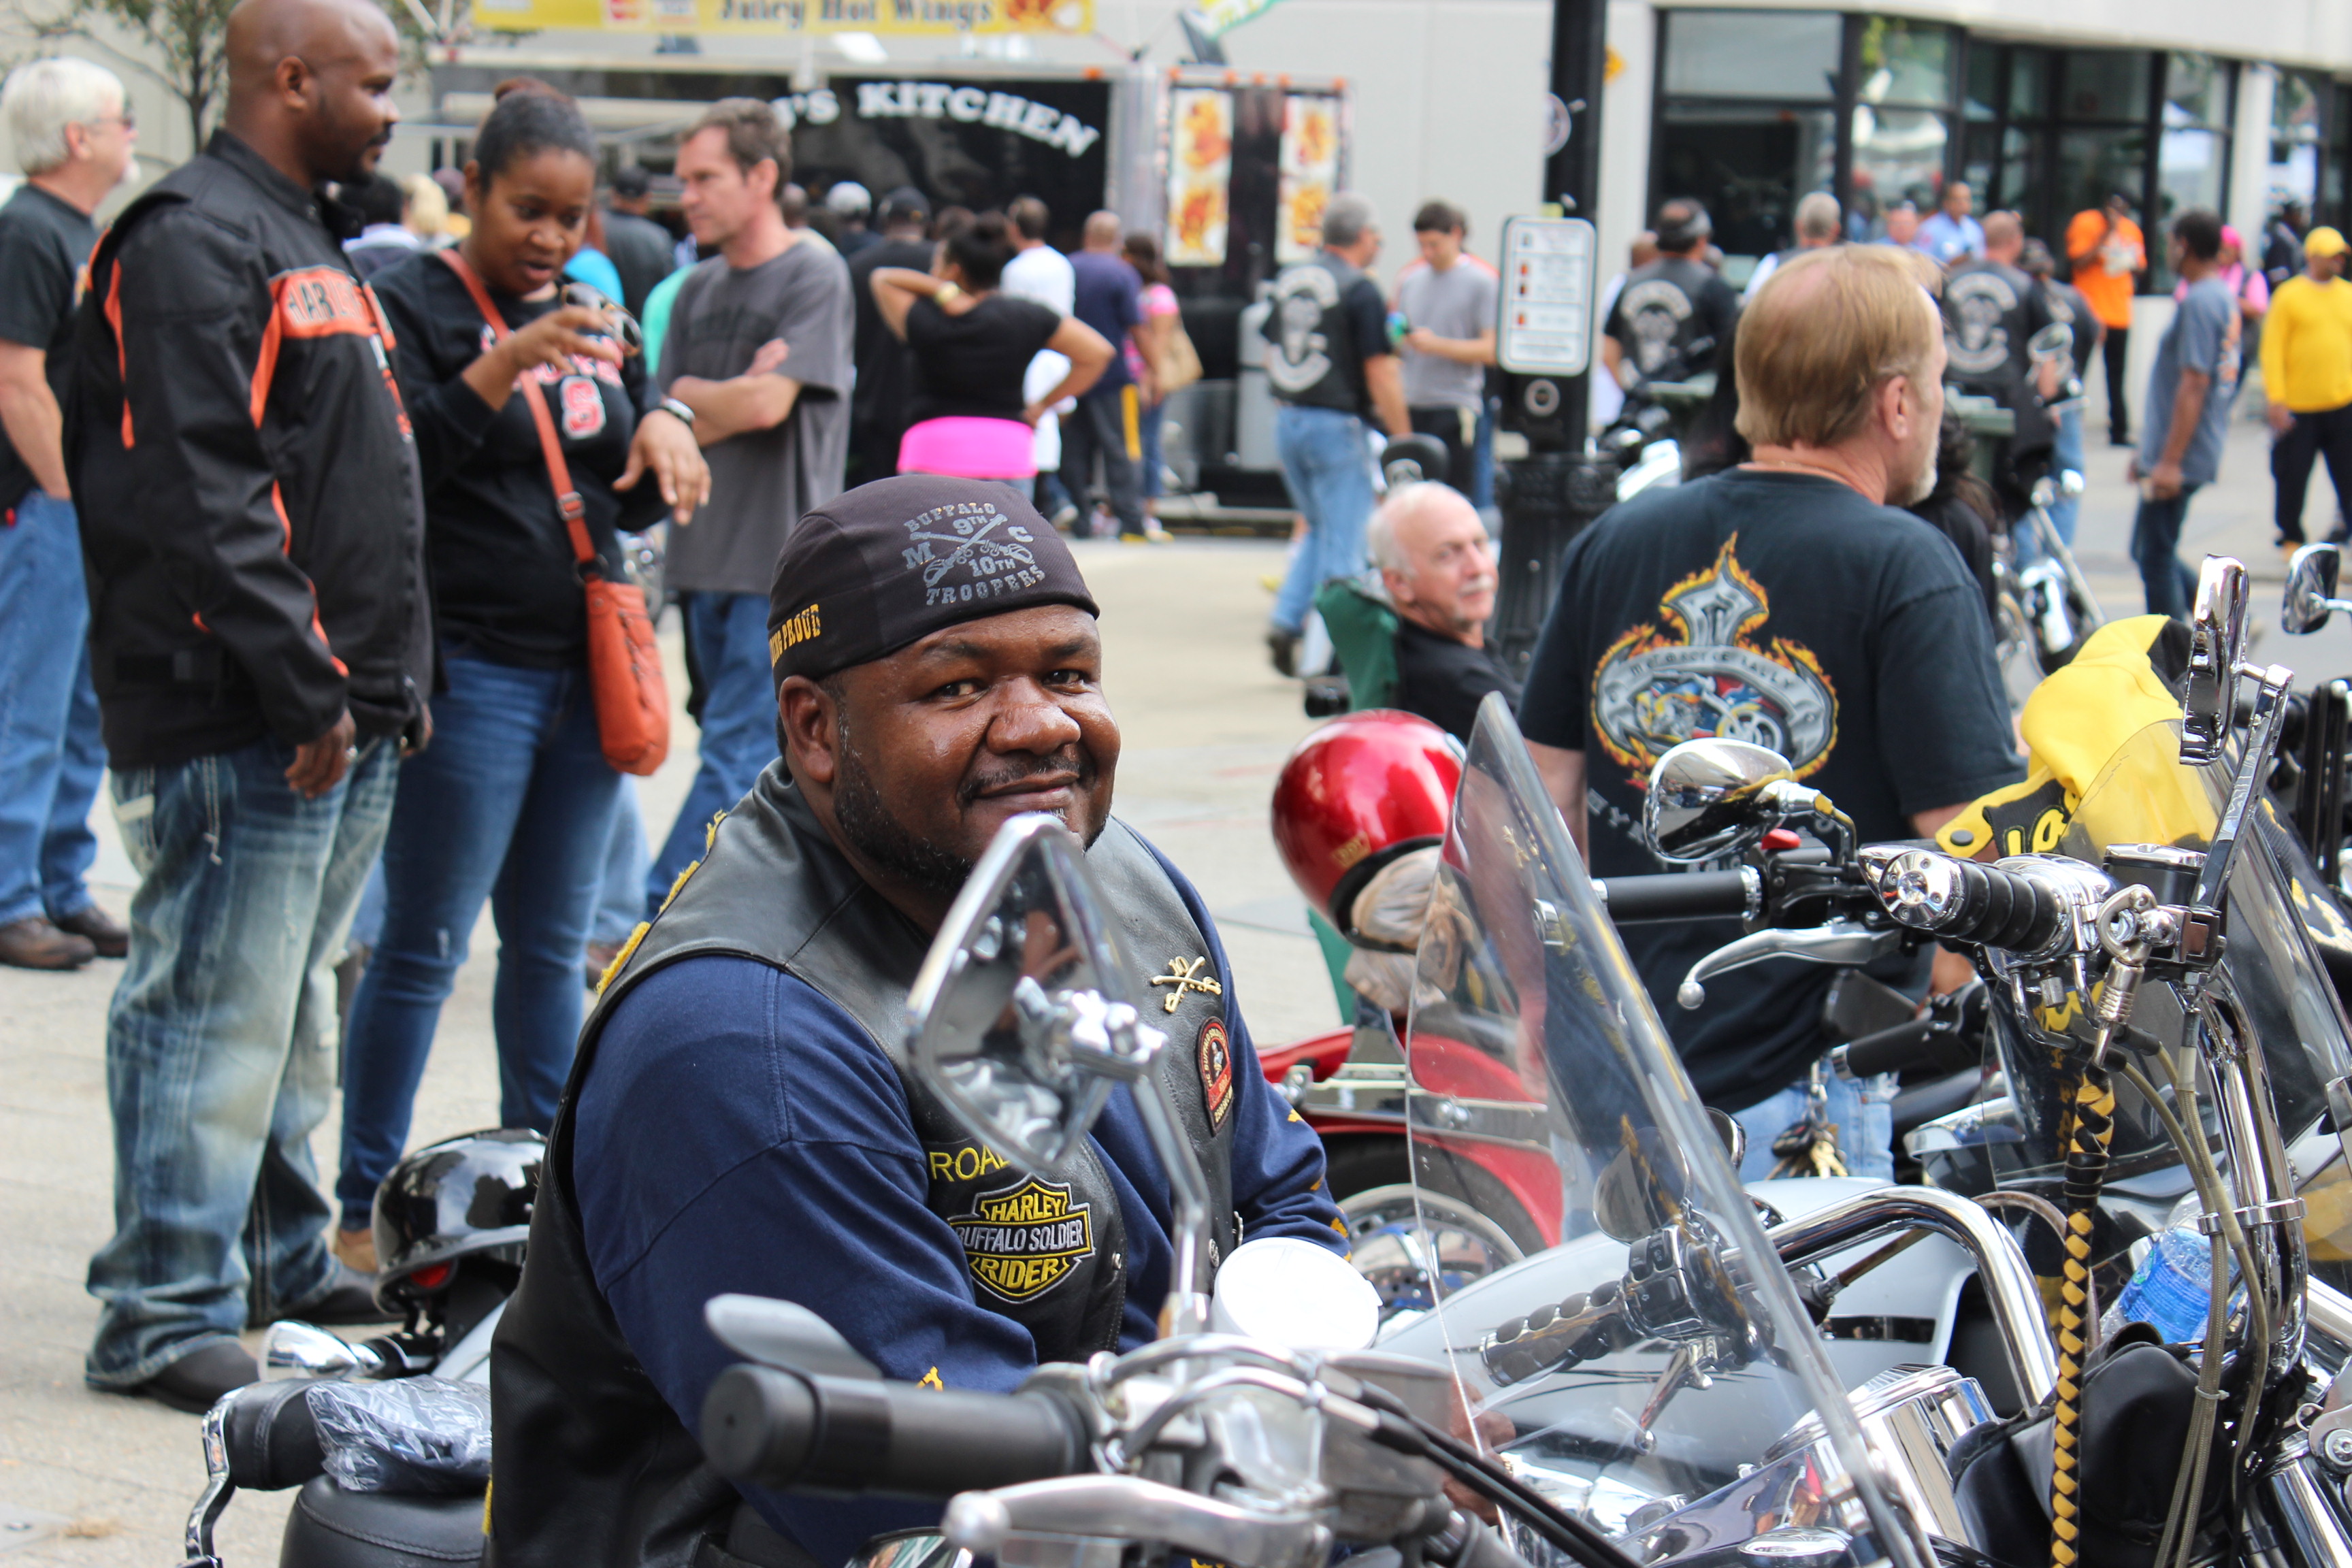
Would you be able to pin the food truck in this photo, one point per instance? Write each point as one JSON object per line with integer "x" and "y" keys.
{"x": 1231, "y": 169}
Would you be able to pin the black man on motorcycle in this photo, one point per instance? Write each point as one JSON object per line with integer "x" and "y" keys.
{"x": 738, "y": 1118}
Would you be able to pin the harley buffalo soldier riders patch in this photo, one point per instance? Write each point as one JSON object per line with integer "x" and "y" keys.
{"x": 1217, "y": 1072}
{"x": 1022, "y": 1240}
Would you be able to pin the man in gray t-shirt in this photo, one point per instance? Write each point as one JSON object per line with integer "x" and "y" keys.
{"x": 1448, "y": 305}
{"x": 760, "y": 347}
{"x": 2188, "y": 409}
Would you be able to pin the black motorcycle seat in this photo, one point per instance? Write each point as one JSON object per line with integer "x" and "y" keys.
{"x": 331, "y": 1528}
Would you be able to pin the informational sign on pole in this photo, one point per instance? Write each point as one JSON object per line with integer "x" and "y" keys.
{"x": 1545, "y": 305}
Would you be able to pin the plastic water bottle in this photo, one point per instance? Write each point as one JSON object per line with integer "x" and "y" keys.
{"x": 2171, "y": 1290}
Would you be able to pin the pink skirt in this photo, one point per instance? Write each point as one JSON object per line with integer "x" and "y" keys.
{"x": 963, "y": 447}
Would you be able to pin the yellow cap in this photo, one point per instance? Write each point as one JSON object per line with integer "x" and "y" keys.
{"x": 2322, "y": 241}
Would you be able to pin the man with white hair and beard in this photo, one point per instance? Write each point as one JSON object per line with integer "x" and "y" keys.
{"x": 1785, "y": 602}
{"x": 1438, "y": 565}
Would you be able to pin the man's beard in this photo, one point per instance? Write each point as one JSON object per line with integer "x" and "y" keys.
{"x": 871, "y": 827}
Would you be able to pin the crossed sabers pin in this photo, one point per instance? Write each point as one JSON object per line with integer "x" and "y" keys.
{"x": 1186, "y": 976}
{"x": 966, "y": 547}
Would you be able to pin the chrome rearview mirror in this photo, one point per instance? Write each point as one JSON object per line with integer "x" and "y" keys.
{"x": 2217, "y": 656}
{"x": 2311, "y": 576}
{"x": 1019, "y": 1000}
{"x": 1713, "y": 798}
{"x": 1021, "y": 1020}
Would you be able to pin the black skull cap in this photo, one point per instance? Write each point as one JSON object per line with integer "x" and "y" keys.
{"x": 890, "y": 562}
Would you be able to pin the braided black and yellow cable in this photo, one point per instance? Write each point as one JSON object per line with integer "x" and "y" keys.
{"x": 2093, "y": 1129}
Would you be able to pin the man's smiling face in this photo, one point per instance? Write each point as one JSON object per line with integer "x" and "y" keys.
{"x": 920, "y": 756}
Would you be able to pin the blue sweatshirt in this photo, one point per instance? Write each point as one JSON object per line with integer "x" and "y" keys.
{"x": 740, "y": 1133}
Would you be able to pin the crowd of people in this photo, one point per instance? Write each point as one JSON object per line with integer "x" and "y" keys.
{"x": 313, "y": 466}
{"x": 310, "y": 465}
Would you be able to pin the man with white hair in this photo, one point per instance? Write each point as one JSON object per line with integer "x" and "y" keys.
{"x": 1333, "y": 370}
{"x": 851, "y": 204}
{"x": 1438, "y": 565}
{"x": 1819, "y": 224}
{"x": 74, "y": 134}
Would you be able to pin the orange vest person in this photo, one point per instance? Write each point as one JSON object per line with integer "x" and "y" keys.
{"x": 2108, "y": 251}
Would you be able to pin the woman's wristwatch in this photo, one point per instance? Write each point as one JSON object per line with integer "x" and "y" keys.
{"x": 680, "y": 410}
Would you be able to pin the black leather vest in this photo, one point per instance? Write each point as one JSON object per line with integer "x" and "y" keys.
{"x": 590, "y": 1465}
{"x": 1990, "y": 309}
{"x": 1312, "y": 356}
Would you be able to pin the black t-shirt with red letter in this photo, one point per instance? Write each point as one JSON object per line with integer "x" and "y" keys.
{"x": 505, "y": 578}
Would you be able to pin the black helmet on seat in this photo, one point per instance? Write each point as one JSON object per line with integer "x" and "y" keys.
{"x": 468, "y": 1196}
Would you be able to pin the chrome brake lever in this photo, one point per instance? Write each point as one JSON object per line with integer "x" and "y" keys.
{"x": 1128, "y": 1508}
{"x": 1838, "y": 942}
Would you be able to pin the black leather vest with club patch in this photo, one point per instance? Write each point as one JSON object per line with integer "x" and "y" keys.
{"x": 590, "y": 1465}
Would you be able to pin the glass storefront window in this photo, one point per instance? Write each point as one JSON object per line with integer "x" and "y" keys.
{"x": 1983, "y": 98}
{"x": 2295, "y": 124}
{"x": 2093, "y": 164}
{"x": 2189, "y": 172}
{"x": 1906, "y": 62}
{"x": 1898, "y": 153}
{"x": 2028, "y": 83}
{"x": 2196, "y": 90}
{"x": 1753, "y": 54}
{"x": 2106, "y": 84}
{"x": 1749, "y": 165}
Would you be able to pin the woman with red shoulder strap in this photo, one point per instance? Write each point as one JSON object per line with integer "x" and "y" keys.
{"x": 538, "y": 435}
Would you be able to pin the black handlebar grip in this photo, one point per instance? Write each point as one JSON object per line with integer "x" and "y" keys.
{"x": 2012, "y": 912}
{"x": 1898, "y": 1049}
{"x": 1695, "y": 895}
{"x": 1962, "y": 900}
{"x": 794, "y": 1432}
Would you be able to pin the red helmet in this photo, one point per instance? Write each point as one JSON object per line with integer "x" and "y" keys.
{"x": 1355, "y": 794}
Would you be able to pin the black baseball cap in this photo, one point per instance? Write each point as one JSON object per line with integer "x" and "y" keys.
{"x": 631, "y": 180}
{"x": 888, "y": 564}
{"x": 905, "y": 205}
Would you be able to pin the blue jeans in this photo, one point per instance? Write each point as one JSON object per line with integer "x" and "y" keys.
{"x": 512, "y": 803}
{"x": 2066, "y": 455}
{"x": 728, "y": 633}
{"x": 620, "y": 901}
{"x": 1482, "y": 463}
{"x": 1328, "y": 467}
{"x": 2169, "y": 586}
{"x": 51, "y": 758}
{"x": 1863, "y": 1109}
{"x": 220, "y": 1045}
{"x": 1150, "y": 470}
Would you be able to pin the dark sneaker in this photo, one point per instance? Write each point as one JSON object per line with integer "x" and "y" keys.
{"x": 107, "y": 935}
{"x": 34, "y": 943}
{"x": 1282, "y": 647}
{"x": 196, "y": 1382}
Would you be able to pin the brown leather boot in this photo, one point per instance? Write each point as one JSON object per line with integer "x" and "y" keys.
{"x": 34, "y": 943}
{"x": 106, "y": 934}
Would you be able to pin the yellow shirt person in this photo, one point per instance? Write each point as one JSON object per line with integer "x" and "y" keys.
{"x": 2307, "y": 337}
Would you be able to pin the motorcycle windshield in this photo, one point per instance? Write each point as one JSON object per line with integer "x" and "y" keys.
{"x": 2270, "y": 974}
{"x": 1656, "y": 1372}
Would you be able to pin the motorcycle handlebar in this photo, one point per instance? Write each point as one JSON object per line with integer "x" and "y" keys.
{"x": 1680, "y": 896}
{"x": 792, "y": 1431}
{"x": 1965, "y": 901}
